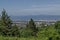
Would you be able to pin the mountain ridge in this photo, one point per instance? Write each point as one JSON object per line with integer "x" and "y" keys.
{"x": 36, "y": 17}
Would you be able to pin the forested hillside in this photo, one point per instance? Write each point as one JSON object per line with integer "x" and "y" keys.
{"x": 30, "y": 32}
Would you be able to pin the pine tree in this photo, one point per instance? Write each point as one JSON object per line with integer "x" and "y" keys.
{"x": 6, "y": 21}
{"x": 6, "y": 25}
{"x": 57, "y": 26}
{"x": 32, "y": 26}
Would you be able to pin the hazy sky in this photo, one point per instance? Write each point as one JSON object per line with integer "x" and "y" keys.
{"x": 31, "y": 7}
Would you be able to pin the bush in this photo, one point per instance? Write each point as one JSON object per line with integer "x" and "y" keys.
{"x": 25, "y": 32}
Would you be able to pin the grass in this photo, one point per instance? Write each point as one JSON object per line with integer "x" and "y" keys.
{"x": 16, "y": 38}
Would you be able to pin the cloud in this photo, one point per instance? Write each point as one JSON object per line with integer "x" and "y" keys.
{"x": 52, "y": 9}
{"x": 42, "y": 9}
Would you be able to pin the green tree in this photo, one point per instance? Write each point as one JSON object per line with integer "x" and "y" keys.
{"x": 5, "y": 23}
{"x": 15, "y": 31}
{"x": 6, "y": 27}
{"x": 5, "y": 19}
{"x": 25, "y": 32}
{"x": 57, "y": 26}
{"x": 32, "y": 26}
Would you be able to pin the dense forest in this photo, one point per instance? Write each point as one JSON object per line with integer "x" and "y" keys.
{"x": 8, "y": 31}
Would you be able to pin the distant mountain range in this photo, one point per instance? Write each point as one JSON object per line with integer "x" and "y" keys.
{"x": 36, "y": 17}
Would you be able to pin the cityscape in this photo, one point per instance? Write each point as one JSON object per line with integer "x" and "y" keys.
{"x": 29, "y": 19}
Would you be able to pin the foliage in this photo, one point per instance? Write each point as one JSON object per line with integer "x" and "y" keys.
{"x": 32, "y": 26}
{"x": 5, "y": 19}
{"x": 30, "y": 32}
{"x": 48, "y": 33}
{"x": 57, "y": 26}
{"x": 6, "y": 28}
{"x": 25, "y": 32}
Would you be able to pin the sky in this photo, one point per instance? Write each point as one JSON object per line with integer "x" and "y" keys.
{"x": 30, "y": 7}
